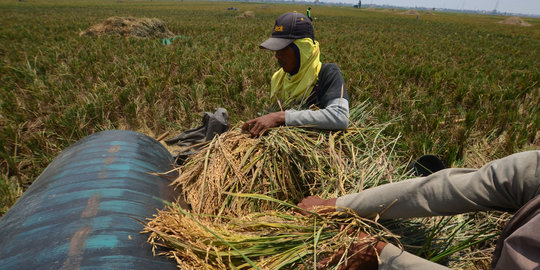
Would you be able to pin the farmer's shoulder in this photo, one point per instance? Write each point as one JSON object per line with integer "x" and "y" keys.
{"x": 329, "y": 70}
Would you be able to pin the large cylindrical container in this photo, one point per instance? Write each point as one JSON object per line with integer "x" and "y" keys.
{"x": 82, "y": 212}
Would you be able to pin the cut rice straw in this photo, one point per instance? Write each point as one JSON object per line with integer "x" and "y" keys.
{"x": 288, "y": 164}
{"x": 242, "y": 192}
{"x": 259, "y": 240}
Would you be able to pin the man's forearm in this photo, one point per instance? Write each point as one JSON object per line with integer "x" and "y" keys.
{"x": 334, "y": 117}
{"x": 505, "y": 184}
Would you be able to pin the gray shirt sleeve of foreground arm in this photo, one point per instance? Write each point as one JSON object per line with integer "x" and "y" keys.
{"x": 393, "y": 258}
{"x": 334, "y": 116}
{"x": 505, "y": 184}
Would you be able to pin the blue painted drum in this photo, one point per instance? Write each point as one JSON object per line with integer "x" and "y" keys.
{"x": 82, "y": 211}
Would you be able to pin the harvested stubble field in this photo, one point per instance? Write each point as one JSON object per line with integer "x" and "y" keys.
{"x": 464, "y": 87}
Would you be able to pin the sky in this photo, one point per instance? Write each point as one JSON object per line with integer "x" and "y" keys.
{"x": 512, "y": 6}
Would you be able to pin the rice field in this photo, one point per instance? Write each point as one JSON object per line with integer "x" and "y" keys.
{"x": 460, "y": 86}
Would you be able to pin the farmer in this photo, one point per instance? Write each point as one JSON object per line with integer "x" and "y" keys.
{"x": 308, "y": 13}
{"x": 510, "y": 184}
{"x": 302, "y": 81}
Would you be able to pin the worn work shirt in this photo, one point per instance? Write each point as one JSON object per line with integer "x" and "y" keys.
{"x": 330, "y": 96}
{"x": 508, "y": 184}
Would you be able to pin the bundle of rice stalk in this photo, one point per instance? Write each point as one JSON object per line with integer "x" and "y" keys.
{"x": 225, "y": 229}
{"x": 268, "y": 240}
{"x": 287, "y": 164}
{"x": 129, "y": 26}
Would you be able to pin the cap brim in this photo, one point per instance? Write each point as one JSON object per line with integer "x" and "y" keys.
{"x": 276, "y": 44}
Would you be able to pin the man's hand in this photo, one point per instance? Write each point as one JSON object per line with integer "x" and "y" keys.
{"x": 259, "y": 125}
{"x": 311, "y": 202}
{"x": 361, "y": 255}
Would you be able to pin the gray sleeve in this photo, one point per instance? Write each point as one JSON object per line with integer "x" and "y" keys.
{"x": 334, "y": 116}
{"x": 393, "y": 258}
{"x": 505, "y": 184}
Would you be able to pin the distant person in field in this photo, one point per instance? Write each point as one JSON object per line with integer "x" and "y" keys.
{"x": 510, "y": 184}
{"x": 302, "y": 82}
{"x": 308, "y": 13}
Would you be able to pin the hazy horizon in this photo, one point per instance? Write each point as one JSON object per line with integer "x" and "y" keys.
{"x": 510, "y": 6}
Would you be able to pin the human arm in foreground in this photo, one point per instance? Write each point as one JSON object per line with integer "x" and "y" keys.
{"x": 505, "y": 184}
{"x": 367, "y": 252}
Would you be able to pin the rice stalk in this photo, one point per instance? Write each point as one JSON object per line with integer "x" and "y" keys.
{"x": 242, "y": 190}
{"x": 287, "y": 164}
{"x": 261, "y": 240}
